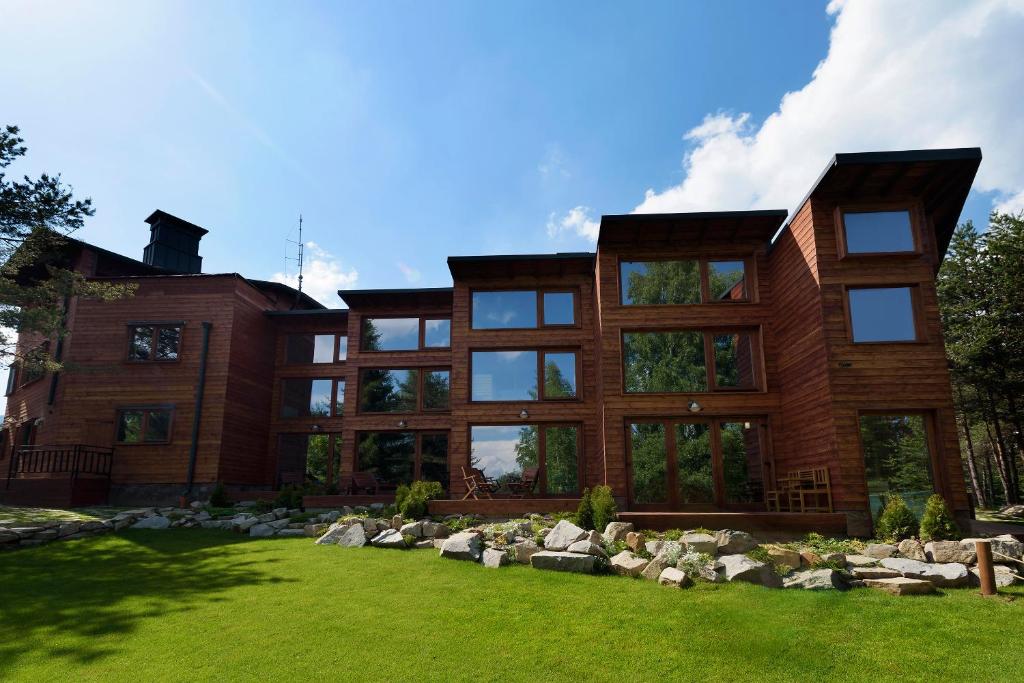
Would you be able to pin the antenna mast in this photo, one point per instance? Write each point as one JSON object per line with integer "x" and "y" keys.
{"x": 302, "y": 249}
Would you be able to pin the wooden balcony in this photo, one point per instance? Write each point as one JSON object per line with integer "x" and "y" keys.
{"x": 59, "y": 476}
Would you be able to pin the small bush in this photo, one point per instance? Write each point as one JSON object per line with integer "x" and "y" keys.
{"x": 896, "y": 522}
{"x": 219, "y": 497}
{"x": 413, "y": 501}
{"x": 409, "y": 540}
{"x": 673, "y": 534}
{"x": 829, "y": 564}
{"x": 302, "y": 517}
{"x": 585, "y": 512}
{"x": 691, "y": 562}
{"x": 401, "y": 493}
{"x": 603, "y": 504}
{"x": 937, "y": 523}
{"x": 289, "y": 497}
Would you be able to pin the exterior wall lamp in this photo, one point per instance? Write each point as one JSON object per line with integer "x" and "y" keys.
{"x": 315, "y": 428}
{"x": 402, "y": 424}
{"x": 524, "y": 413}
{"x": 694, "y": 407}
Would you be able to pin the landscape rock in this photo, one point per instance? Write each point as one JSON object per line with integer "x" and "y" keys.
{"x": 8, "y": 536}
{"x": 809, "y": 558}
{"x": 432, "y": 529}
{"x": 780, "y": 555}
{"x": 901, "y": 586}
{"x": 654, "y": 547}
{"x": 834, "y": 558}
{"x": 276, "y": 524}
{"x": 354, "y": 536}
{"x": 412, "y": 529}
{"x": 370, "y": 525}
{"x": 655, "y": 567}
{"x": 912, "y": 549}
{"x": 396, "y": 522}
{"x": 700, "y": 543}
{"x": 525, "y": 550}
{"x": 949, "y": 551}
{"x": 670, "y": 576}
{"x": 861, "y": 561}
{"x": 68, "y": 528}
{"x": 734, "y": 542}
{"x": 466, "y": 545}
{"x": 628, "y": 564}
{"x": 564, "y": 534}
{"x": 389, "y": 538}
{"x": 880, "y": 550}
{"x": 1003, "y": 547}
{"x": 314, "y": 530}
{"x": 330, "y": 517}
{"x": 875, "y": 573}
{"x": 495, "y": 558}
{"x": 152, "y": 523}
{"x": 563, "y": 562}
{"x": 296, "y": 533}
{"x": 951, "y": 575}
{"x": 616, "y": 531}
{"x": 424, "y": 543}
{"x": 334, "y": 534}
{"x": 262, "y": 531}
{"x": 816, "y": 579}
{"x": 1004, "y": 576}
{"x": 266, "y": 517}
{"x": 279, "y": 513}
{"x": 636, "y": 541}
{"x": 592, "y": 536}
{"x": 587, "y": 547}
{"x": 738, "y": 567}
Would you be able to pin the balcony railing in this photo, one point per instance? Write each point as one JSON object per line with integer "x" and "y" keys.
{"x": 73, "y": 460}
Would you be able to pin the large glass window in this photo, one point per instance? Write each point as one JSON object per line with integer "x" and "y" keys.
{"x": 664, "y": 362}
{"x": 660, "y": 282}
{"x": 734, "y": 361}
{"x": 878, "y": 232}
{"x": 693, "y": 462}
{"x": 559, "y": 374}
{"x": 561, "y": 460}
{"x": 504, "y": 376}
{"x": 391, "y": 334}
{"x": 896, "y": 460}
{"x": 342, "y": 347}
{"x": 648, "y": 456}
{"x": 434, "y": 458}
{"x": 339, "y": 398}
{"x": 436, "y": 389}
{"x": 391, "y": 456}
{"x": 154, "y": 342}
{"x": 388, "y": 390}
{"x": 309, "y": 459}
{"x": 727, "y": 280}
{"x": 504, "y": 452}
{"x": 742, "y": 462}
{"x": 310, "y": 348}
{"x": 511, "y": 309}
{"x": 559, "y": 308}
{"x": 303, "y": 397}
{"x": 882, "y": 314}
{"x": 144, "y": 425}
{"x": 437, "y": 333}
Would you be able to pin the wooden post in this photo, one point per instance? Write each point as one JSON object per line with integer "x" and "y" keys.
{"x": 985, "y": 571}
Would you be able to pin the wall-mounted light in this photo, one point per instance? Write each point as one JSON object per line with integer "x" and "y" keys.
{"x": 524, "y": 413}
{"x": 402, "y": 424}
{"x": 746, "y": 425}
{"x": 694, "y": 407}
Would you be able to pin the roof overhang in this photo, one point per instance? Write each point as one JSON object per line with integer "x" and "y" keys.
{"x": 685, "y": 229}
{"x": 510, "y": 265}
{"x": 390, "y": 298}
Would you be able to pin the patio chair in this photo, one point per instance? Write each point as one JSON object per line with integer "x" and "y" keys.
{"x": 366, "y": 482}
{"x": 477, "y": 483}
{"x": 526, "y": 483}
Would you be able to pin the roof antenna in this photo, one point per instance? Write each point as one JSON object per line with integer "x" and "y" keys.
{"x": 302, "y": 248}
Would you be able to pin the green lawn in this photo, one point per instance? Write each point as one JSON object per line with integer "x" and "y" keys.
{"x": 11, "y": 515}
{"x": 208, "y": 605}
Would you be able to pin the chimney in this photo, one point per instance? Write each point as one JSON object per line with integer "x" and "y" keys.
{"x": 173, "y": 243}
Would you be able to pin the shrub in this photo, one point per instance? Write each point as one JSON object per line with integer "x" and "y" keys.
{"x": 603, "y": 504}
{"x": 937, "y": 523}
{"x": 412, "y": 503}
{"x": 691, "y": 562}
{"x": 585, "y": 512}
{"x": 401, "y": 493}
{"x": 409, "y": 540}
{"x": 219, "y": 497}
{"x": 289, "y": 497}
{"x": 673, "y": 534}
{"x": 896, "y": 522}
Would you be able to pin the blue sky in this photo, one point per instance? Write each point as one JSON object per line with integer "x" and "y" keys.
{"x": 406, "y": 132}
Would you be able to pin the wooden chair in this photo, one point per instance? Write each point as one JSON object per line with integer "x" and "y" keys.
{"x": 526, "y": 484}
{"x": 366, "y": 482}
{"x": 477, "y": 483}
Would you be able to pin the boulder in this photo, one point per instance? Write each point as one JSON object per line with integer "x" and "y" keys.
{"x": 152, "y": 523}
{"x": 738, "y": 567}
{"x": 901, "y": 586}
{"x": 1004, "y": 576}
{"x": 430, "y": 529}
{"x": 815, "y": 580}
{"x": 370, "y": 525}
{"x": 563, "y": 535}
{"x": 1003, "y": 547}
{"x": 330, "y": 517}
{"x": 654, "y": 547}
{"x": 587, "y": 547}
{"x": 262, "y": 531}
{"x": 950, "y": 575}
{"x": 700, "y": 543}
{"x": 494, "y": 558}
{"x": 466, "y": 545}
{"x": 809, "y": 558}
{"x": 423, "y": 543}
{"x": 636, "y": 541}
{"x": 616, "y": 531}
{"x": 295, "y": 533}
{"x": 655, "y": 567}
{"x": 353, "y": 536}
{"x": 861, "y": 561}
{"x": 411, "y": 529}
{"x": 525, "y": 550}
{"x": 780, "y": 555}
{"x": 628, "y": 564}
{"x": 834, "y": 558}
{"x": 563, "y": 562}
{"x": 396, "y": 522}
{"x": 8, "y": 536}
{"x": 244, "y": 524}
{"x": 68, "y": 528}
{"x": 949, "y": 551}
{"x": 277, "y": 523}
{"x": 880, "y": 551}
{"x": 389, "y": 538}
{"x": 279, "y": 513}
{"x": 592, "y": 536}
{"x": 670, "y": 576}
{"x": 875, "y": 573}
{"x": 734, "y": 542}
{"x": 912, "y": 549}
{"x": 266, "y": 517}
{"x": 333, "y": 534}
{"x": 314, "y": 530}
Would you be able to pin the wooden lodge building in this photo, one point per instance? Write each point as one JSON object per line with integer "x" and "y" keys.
{"x": 719, "y": 369}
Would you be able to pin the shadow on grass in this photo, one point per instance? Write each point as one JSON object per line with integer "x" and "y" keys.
{"x": 82, "y": 589}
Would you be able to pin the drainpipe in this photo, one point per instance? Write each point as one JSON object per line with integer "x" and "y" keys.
{"x": 194, "y": 448}
{"x": 58, "y": 354}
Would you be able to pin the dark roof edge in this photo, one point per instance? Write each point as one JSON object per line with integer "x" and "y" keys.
{"x": 559, "y": 256}
{"x": 313, "y": 311}
{"x": 697, "y": 215}
{"x": 160, "y": 213}
{"x": 421, "y": 290}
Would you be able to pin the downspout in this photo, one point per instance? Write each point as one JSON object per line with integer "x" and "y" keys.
{"x": 58, "y": 354}
{"x": 194, "y": 448}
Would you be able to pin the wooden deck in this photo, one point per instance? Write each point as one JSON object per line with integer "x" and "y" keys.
{"x": 822, "y": 522}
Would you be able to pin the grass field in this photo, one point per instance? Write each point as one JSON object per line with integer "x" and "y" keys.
{"x": 11, "y": 515}
{"x": 190, "y": 605}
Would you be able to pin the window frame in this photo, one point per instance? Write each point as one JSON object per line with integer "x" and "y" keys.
{"x": 334, "y": 355}
{"x": 539, "y": 293}
{"x": 932, "y": 441}
{"x": 157, "y": 326}
{"x": 418, "y": 435}
{"x": 917, "y": 314}
{"x": 710, "y": 369}
{"x": 542, "y": 455}
{"x": 144, "y": 427}
{"x": 421, "y": 332}
{"x": 333, "y": 402}
{"x": 420, "y": 370}
{"x": 749, "y": 278}
{"x": 541, "y": 352}
{"x": 914, "y": 212}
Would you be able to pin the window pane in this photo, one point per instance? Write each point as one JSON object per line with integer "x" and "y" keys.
{"x": 559, "y": 308}
{"x": 668, "y": 362}
{"x": 660, "y": 282}
{"x": 504, "y": 376}
{"x": 291, "y": 459}
{"x": 734, "y": 361}
{"x": 141, "y": 347}
{"x": 560, "y": 458}
{"x": 320, "y": 398}
{"x": 882, "y": 314}
{"x": 436, "y": 387}
{"x": 742, "y": 465}
{"x": 726, "y": 280}
{"x": 434, "y": 458}
{"x": 323, "y": 348}
{"x": 318, "y": 453}
{"x": 437, "y": 334}
{"x": 878, "y": 232}
{"x": 391, "y": 334}
{"x": 896, "y": 460}
{"x": 158, "y": 425}
{"x": 504, "y": 452}
{"x": 693, "y": 458}
{"x": 129, "y": 427}
{"x": 388, "y": 391}
{"x": 342, "y": 347}
{"x": 650, "y": 476}
{"x": 305, "y": 397}
{"x": 559, "y": 375}
{"x": 339, "y": 398}
{"x": 389, "y": 455}
{"x": 493, "y": 310}
{"x": 167, "y": 340}
{"x": 299, "y": 348}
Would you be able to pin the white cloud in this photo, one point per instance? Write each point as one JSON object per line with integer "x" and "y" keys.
{"x": 898, "y": 75}
{"x": 577, "y": 221}
{"x": 411, "y": 274}
{"x": 554, "y": 164}
{"x": 1014, "y": 204}
{"x": 322, "y": 275}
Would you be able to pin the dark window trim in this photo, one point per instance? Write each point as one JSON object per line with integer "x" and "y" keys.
{"x": 421, "y": 370}
{"x": 542, "y": 455}
{"x": 539, "y": 293}
{"x": 932, "y": 441}
{"x": 917, "y": 312}
{"x": 421, "y": 333}
{"x": 749, "y": 278}
{"x": 541, "y": 351}
{"x": 144, "y": 427}
{"x": 157, "y": 326}
{"x": 917, "y": 222}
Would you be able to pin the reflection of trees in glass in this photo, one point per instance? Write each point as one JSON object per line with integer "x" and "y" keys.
{"x": 741, "y": 463}
{"x": 317, "y": 454}
{"x": 734, "y": 362}
{"x": 693, "y": 455}
{"x": 725, "y": 280}
{"x": 142, "y": 343}
{"x": 664, "y": 361}
{"x": 370, "y": 340}
{"x": 436, "y": 389}
{"x": 434, "y": 458}
{"x": 896, "y": 459}
{"x": 556, "y": 384}
{"x": 389, "y": 455}
{"x": 388, "y": 391}
{"x": 661, "y": 282}
{"x": 527, "y": 452}
{"x": 167, "y": 343}
{"x": 650, "y": 482}
{"x": 560, "y": 460}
